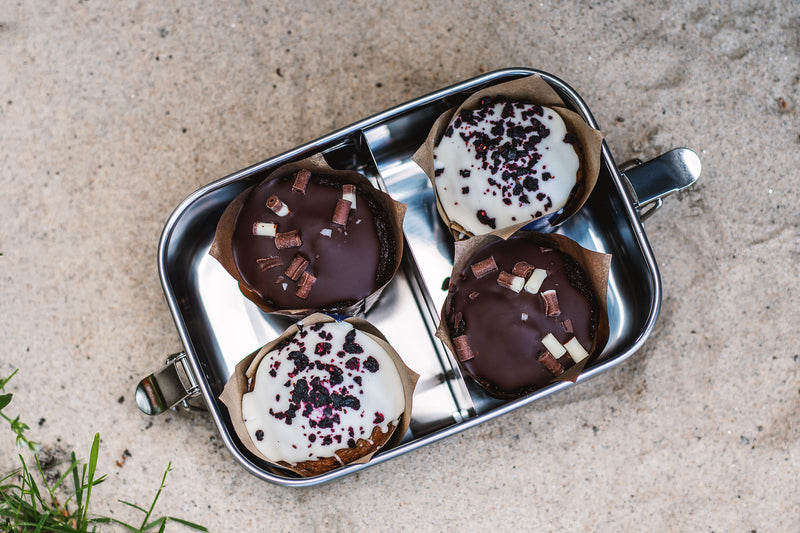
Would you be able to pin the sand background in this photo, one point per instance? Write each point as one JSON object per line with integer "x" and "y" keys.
{"x": 112, "y": 113}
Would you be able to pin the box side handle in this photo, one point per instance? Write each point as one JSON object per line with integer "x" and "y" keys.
{"x": 650, "y": 182}
{"x": 166, "y": 387}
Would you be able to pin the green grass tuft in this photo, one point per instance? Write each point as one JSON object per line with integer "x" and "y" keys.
{"x": 28, "y": 502}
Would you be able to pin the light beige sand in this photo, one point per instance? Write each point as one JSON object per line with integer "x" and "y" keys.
{"x": 112, "y": 113}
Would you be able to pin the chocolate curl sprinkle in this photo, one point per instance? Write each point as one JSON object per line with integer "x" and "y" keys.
{"x": 550, "y": 303}
{"x": 484, "y": 268}
{"x": 301, "y": 180}
{"x": 473, "y": 295}
{"x": 296, "y": 267}
{"x": 550, "y": 363}
{"x": 290, "y": 239}
{"x": 522, "y": 269}
{"x": 304, "y": 285}
{"x": 463, "y": 351}
{"x": 510, "y": 281}
{"x": 269, "y": 262}
{"x": 341, "y": 212}
{"x": 457, "y": 319}
{"x": 276, "y": 206}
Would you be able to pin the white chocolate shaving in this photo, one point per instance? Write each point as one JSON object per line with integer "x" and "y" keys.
{"x": 524, "y": 317}
{"x": 555, "y": 348}
{"x": 534, "y": 282}
{"x": 265, "y": 229}
{"x": 576, "y": 350}
{"x": 517, "y": 283}
{"x": 326, "y": 232}
{"x": 283, "y": 211}
{"x": 351, "y": 197}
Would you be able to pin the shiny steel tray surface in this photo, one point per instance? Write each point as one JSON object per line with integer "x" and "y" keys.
{"x": 218, "y": 326}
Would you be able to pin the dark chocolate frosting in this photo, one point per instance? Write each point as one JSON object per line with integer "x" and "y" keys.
{"x": 504, "y": 329}
{"x": 349, "y": 262}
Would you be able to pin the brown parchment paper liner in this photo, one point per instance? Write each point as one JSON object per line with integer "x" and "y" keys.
{"x": 596, "y": 265}
{"x": 237, "y": 384}
{"x": 533, "y": 90}
{"x": 221, "y": 246}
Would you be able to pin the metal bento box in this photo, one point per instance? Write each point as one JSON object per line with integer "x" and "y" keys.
{"x": 218, "y": 326}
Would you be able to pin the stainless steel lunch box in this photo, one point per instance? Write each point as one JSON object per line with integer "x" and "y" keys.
{"x": 219, "y": 327}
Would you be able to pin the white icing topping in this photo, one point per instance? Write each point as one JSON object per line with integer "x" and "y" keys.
{"x": 507, "y": 160}
{"x": 576, "y": 350}
{"x": 555, "y": 348}
{"x": 534, "y": 282}
{"x": 265, "y": 229}
{"x": 307, "y": 401}
{"x": 350, "y": 197}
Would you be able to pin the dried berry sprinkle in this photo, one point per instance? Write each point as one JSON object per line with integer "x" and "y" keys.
{"x": 328, "y": 421}
{"x": 300, "y": 361}
{"x": 340, "y": 401}
{"x": 300, "y": 392}
{"x": 323, "y": 348}
{"x": 351, "y": 443}
{"x": 354, "y": 363}
{"x": 531, "y": 184}
{"x": 483, "y": 218}
{"x": 259, "y": 435}
{"x": 371, "y": 364}
{"x": 350, "y": 346}
{"x": 336, "y": 374}
{"x": 378, "y": 418}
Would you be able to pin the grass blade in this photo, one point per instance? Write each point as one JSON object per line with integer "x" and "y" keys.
{"x": 158, "y": 493}
{"x": 134, "y": 506}
{"x": 92, "y": 469}
{"x": 186, "y": 523}
{"x": 76, "y": 481}
{"x": 5, "y": 399}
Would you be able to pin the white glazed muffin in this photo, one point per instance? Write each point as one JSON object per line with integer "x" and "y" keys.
{"x": 505, "y": 163}
{"x": 327, "y": 396}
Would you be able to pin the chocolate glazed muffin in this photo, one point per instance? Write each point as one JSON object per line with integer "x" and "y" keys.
{"x": 311, "y": 240}
{"x": 520, "y": 314}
